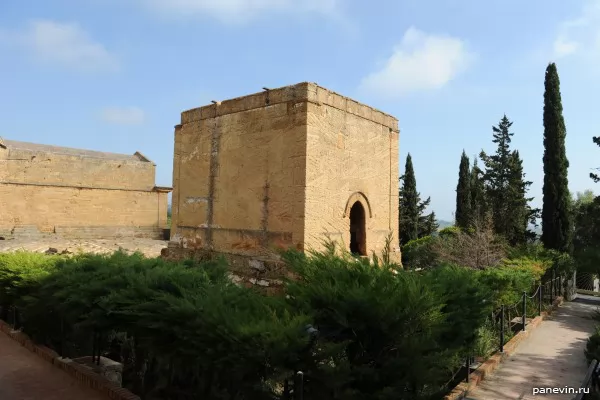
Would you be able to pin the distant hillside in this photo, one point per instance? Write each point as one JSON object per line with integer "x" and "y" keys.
{"x": 445, "y": 224}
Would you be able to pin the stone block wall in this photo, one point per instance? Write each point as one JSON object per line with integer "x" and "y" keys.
{"x": 238, "y": 175}
{"x": 77, "y": 193}
{"x": 352, "y": 155}
{"x": 281, "y": 169}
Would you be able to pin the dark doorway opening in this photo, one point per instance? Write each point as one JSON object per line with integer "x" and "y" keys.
{"x": 358, "y": 232}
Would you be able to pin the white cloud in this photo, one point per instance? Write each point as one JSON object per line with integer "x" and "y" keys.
{"x": 420, "y": 62}
{"x": 64, "y": 44}
{"x": 580, "y": 35}
{"x": 237, "y": 11}
{"x": 123, "y": 116}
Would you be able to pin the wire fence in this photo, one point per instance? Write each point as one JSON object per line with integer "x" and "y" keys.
{"x": 508, "y": 319}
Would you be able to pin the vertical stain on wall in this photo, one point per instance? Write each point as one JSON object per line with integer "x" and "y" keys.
{"x": 264, "y": 225}
{"x": 215, "y": 142}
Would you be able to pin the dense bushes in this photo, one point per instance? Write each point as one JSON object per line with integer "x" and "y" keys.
{"x": 184, "y": 321}
{"x": 184, "y": 331}
{"x": 419, "y": 254}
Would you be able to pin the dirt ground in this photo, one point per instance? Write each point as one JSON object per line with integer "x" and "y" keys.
{"x": 148, "y": 247}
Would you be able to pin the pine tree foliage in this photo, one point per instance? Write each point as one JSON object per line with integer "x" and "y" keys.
{"x": 463, "y": 214}
{"x": 414, "y": 223}
{"x": 556, "y": 211}
{"x": 497, "y": 173}
{"x": 428, "y": 225}
{"x": 506, "y": 188}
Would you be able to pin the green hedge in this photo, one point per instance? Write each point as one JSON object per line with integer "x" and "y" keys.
{"x": 418, "y": 253}
{"x": 183, "y": 330}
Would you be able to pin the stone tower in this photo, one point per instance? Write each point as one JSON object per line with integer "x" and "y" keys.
{"x": 282, "y": 168}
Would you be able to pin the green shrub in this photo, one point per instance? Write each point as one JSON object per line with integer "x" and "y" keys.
{"x": 508, "y": 283}
{"x": 184, "y": 330}
{"x": 419, "y": 253}
{"x": 535, "y": 268}
{"x": 562, "y": 263}
{"x": 384, "y": 334}
{"x": 183, "y": 320}
{"x": 449, "y": 231}
{"x": 592, "y": 348}
{"x": 20, "y": 274}
{"x": 488, "y": 340}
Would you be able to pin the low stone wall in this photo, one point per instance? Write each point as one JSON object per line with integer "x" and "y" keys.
{"x": 83, "y": 374}
{"x": 492, "y": 363}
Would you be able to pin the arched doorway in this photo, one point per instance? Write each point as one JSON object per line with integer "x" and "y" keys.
{"x": 358, "y": 231}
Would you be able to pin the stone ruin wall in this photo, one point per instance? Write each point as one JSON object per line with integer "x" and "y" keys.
{"x": 277, "y": 170}
{"x": 72, "y": 196}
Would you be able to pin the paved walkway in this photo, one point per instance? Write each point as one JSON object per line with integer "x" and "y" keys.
{"x": 25, "y": 376}
{"x": 552, "y": 356}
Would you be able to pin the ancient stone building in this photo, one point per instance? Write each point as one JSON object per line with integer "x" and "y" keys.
{"x": 78, "y": 193}
{"x": 284, "y": 168}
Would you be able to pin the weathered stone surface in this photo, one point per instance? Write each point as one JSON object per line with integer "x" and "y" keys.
{"x": 78, "y": 193}
{"x": 148, "y": 247}
{"x": 282, "y": 169}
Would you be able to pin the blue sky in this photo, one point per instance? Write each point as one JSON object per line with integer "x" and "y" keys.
{"x": 113, "y": 75}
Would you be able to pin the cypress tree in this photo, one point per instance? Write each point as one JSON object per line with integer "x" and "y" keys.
{"x": 556, "y": 212}
{"x": 409, "y": 204}
{"x": 519, "y": 214}
{"x": 479, "y": 207}
{"x": 463, "y": 215}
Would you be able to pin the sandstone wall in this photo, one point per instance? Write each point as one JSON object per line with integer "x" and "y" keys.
{"x": 92, "y": 196}
{"x": 352, "y": 155}
{"x": 278, "y": 168}
{"x": 238, "y": 174}
{"x": 74, "y": 212}
{"x": 38, "y": 168}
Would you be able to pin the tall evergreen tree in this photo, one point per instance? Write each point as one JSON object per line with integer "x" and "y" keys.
{"x": 428, "y": 225}
{"x": 463, "y": 215}
{"x": 413, "y": 221}
{"x": 519, "y": 213}
{"x": 409, "y": 204}
{"x": 506, "y": 188}
{"x": 556, "y": 211}
{"x": 479, "y": 206}
{"x": 497, "y": 174}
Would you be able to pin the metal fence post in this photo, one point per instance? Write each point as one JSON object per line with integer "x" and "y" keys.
{"x": 540, "y": 299}
{"x": 468, "y": 365}
{"x": 286, "y": 390}
{"x": 552, "y": 288}
{"x": 299, "y": 386}
{"x": 62, "y": 337}
{"x": 560, "y": 288}
{"x": 524, "y": 308}
{"x": 502, "y": 328}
